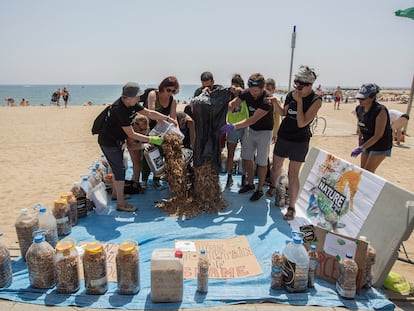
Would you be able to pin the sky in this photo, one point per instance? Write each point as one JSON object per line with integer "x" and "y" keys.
{"x": 347, "y": 42}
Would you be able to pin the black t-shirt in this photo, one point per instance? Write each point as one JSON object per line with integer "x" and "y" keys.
{"x": 289, "y": 129}
{"x": 120, "y": 115}
{"x": 366, "y": 123}
{"x": 266, "y": 122}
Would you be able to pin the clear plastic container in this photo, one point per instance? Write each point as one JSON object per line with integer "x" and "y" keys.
{"x": 80, "y": 196}
{"x": 202, "y": 272}
{"x": 276, "y": 274}
{"x": 67, "y": 267}
{"x": 48, "y": 223}
{"x": 346, "y": 283}
{"x": 163, "y": 127}
{"x": 369, "y": 262}
{"x": 155, "y": 160}
{"x": 127, "y": 268}
{"x": 40, "y": 259}
{"x": 73, "y": 204}
{"x": 296, "y": 265}
{"x": 166, "y": 275}
{"x": 61, "y": 211}
{"x": 25, "y": 225}
{"x": 6, "y": 274}
{"x": 313, "y": 265}
{"x": 95, "y": 269}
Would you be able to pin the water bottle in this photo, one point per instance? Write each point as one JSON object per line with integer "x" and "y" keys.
{"x": 48, "y": 223}
{"x": 86, "y": 188}
{"x": 313, "y": 265}
{"x": 67, "y": 267}
{"x": 127, "y": 268}
{"x": 346, "y": 282}
{"x": 40, "y": 258}
{"x": 105, "y": 163}
{"x": 276, "y": 274}
{"x": 6, "y": 274}
{"x": 25, "y": 224}
{"x": 296, "y": 265}
{"x": 369, "y": 262}
{"x": 202, "y": 272}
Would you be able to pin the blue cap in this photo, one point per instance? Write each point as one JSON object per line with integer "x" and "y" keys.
{"x": 367, "y": 90}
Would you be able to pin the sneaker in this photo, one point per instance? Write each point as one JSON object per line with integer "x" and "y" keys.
{"x": 271, "y": 191}
{"x": 126, "y": 207}
{"x": 246, "y": 188}
{"x": 256, "y": 195}
{"x": 229, "y": 182}
{"x": 158, "y": 186}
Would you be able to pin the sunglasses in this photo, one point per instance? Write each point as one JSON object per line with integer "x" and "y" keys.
{"x": 300, "y": 85}
{"x": 170, "y": 90}
{"x": 251, "y": 83}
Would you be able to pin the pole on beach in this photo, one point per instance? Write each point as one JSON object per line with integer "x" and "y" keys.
{"x": 292, "y": 45}
{"x": 410, "y": 102}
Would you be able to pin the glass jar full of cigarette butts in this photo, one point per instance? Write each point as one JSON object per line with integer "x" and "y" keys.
{"x": 127, "y": 268}
{"x": 67, "y": 267}
{"x": 94, "y": 269}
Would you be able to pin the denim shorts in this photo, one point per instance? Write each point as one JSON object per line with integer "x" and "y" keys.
{"x": 235, "y": 136}
{"x": 387, "y": 153}
{"x": 115, "y": 158}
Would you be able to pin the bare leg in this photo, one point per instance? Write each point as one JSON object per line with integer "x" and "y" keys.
{"x": 293, "y": 176}
{"x": 373, "y": 162}
{"x": 248, "y": 167}
{"x": 261, "y": 174}
{"x": 231, "y": 147}
{"x": 119, "y": 186}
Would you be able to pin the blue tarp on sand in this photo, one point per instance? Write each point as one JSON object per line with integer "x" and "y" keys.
{"x": 261, "y": 222}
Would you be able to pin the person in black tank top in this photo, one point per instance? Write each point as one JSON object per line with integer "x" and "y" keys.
{"x": 374, "y": 129}
{"x": 300, "y": 108}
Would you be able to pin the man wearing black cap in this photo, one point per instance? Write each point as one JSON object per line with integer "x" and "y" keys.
{"x": 116, "y": 128}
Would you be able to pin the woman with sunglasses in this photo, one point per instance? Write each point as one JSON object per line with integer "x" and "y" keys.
{"x": 301, "y": 106}
{"x": 162, "y": 100}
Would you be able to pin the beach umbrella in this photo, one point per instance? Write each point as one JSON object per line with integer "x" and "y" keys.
{"x": 410, "y": 14}
{"x": 406, "y": 13}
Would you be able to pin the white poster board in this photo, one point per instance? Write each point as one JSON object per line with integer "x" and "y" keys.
{"x": 355, "y": 202}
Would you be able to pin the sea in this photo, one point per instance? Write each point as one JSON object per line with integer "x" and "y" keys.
{"x": 80, "y": 95}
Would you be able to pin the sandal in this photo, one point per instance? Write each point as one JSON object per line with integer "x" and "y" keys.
{"x": 271, "y": 191}
{"x": 126, "y": 208}
{"x": 126, "y": 197}
{"x": 290, "y": 214}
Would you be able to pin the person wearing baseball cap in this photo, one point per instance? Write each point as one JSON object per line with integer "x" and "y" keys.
{"x": 374, "y": 128}
{"x": 116, "y": 129}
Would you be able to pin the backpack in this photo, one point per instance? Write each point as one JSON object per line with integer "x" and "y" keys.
{"x": 144, "y": 97}
{"x": 100, "y": 120}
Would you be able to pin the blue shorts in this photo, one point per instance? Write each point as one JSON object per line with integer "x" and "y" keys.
{"x": 293, "y": 150}
{"x": 235, "y": 136}
{"x": 387, "y": 153}
{"x": 115, "y": 158}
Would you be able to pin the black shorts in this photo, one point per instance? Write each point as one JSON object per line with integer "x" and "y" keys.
{"x": 293, "y": 150}
{"x": 115, "y": 158}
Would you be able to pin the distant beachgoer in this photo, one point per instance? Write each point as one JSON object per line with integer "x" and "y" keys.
{"x": 116, "y": 129}
{"x": 337, "y": 97}
{"x": 374, "y": 128}
{"x": 24, "y": 102}
{"x": 398, "y": 122}
{"x": 319, "y": 91}
{"x": 56, "y": 97}
{"x": 10, "y": 101}
{"x": 65, "y": 96}
{"x": 300, "y": 108}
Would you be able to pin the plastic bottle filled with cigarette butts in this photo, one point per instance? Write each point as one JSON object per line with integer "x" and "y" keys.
{"x": 48, "y": 223}
{"x": 67, "y": 267}
{"x": 127, "y": 268}
{"x": 25, "y": 224}
{"x": 6, "y": 274}
{"x": 202, "y": 272}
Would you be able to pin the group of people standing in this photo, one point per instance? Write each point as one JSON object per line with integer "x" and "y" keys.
{"x": 64, "y": 93}
{"x": 255, "y": 119}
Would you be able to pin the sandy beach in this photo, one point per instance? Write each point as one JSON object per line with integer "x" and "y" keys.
{"x": 46, "y": 149}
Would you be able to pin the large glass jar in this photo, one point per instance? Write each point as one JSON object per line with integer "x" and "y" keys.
{"x": 94, "y": 269}
{"x": 127, "y": 268}
{"x": 67, "y": 267}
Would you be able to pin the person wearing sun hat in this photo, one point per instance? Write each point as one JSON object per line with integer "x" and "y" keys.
{"x": 300, "y": 108}
{"x": 374, "y": 128}
{"x": 116, "y": 129}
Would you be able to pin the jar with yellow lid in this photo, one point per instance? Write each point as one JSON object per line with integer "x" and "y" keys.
{"x": 73, "y": 204}
{"x": 127, "y": 268}
{"x": 94, "y": 269}
{"x": 61, "y": 211}
{"x": 67, "y": 267}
